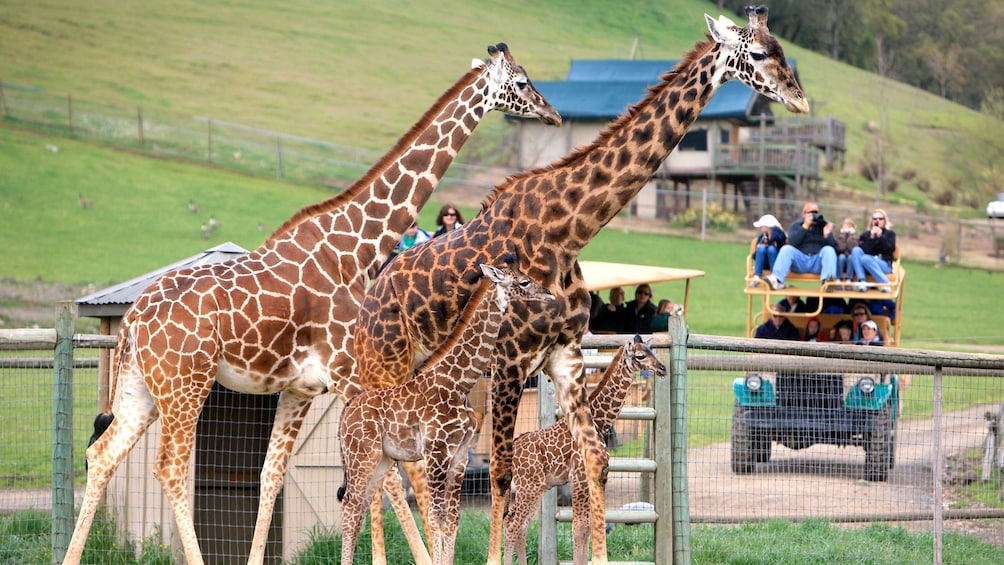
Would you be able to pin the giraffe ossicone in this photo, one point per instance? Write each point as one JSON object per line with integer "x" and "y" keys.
{"x": 427, "y": 418}
{"x": 546, "y": 216}
{"x": 279, "y": 319}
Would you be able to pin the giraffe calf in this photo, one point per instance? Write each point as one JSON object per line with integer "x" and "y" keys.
{"x": 427, "y": 418}
{"x": 547, "y": 458}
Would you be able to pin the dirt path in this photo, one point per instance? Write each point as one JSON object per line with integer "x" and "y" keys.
{"x": 825, "y": 480}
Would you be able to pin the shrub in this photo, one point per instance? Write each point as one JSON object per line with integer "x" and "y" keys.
{"x": 945, "y": 198}
{"x": 717, "y": 219}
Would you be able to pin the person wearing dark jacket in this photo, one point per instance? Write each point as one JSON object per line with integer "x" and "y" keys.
{"x": 874, "y": 253}
{"x": 640, "y": 311}
{"x": 768, "y": 243}
{"x": 810, "y": 249}
{"x": 778, "y": 327}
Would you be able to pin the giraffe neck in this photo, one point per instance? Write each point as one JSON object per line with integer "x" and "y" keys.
{"x": 574, "y": 197}
{"x": 380, "y": 206}
{"x": 471, "y": 343}
{"x": 606, "y": 400}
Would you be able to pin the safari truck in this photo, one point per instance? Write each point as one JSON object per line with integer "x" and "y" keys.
{"x": 811, "y": 404}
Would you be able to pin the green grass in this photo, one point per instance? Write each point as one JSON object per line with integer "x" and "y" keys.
{"x": 359, "y": 73}
{"x": 26, "y": 537}
{"x": 818, "y": 542}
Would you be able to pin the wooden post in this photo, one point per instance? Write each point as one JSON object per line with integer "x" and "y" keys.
{"x": 279, "y": 170}
{"x": 139, "y": 126}
{"x": 547, "y": 541}
{"x": 679, "y": 529}
{"x": 3, "y": 102}
{"x": 62, "y": 431}
{"x": 209, "y": 140}
{"x": 69, "y": 112}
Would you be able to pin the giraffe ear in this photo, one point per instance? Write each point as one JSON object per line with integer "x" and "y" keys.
{"x": 477, "y": 63}
{"x": 491, "y": 272}
{"x": 723, "y": 30}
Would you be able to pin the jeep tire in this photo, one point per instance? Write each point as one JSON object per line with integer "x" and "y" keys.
{"x": 747, "y": 449}
{"x": 879, "y": 449}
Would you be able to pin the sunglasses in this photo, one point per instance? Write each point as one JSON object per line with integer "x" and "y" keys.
{"x": 449, "y": 214}
{"x": 878, "y": 218}
{"x": 644, "y": 292}
{"x": 861, "y": 313}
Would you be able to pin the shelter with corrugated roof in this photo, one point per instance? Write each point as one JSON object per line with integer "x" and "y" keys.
{"x": 735, "y": 141}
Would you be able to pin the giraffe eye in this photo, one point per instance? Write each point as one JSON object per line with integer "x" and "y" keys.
{"x": 525, "y": 283}
{"x": 758, "y": 55}
{"x": 521, "y": 84}
{"x": 639, "y": 357}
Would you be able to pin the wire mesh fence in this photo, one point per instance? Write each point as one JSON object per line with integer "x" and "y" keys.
{"x": 841, "y": 435}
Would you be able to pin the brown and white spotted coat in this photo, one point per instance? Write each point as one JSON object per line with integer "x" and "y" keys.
{"x": 547, "y": 458}
{"x": 427, "y": 418}
{"x": 545, "y": 217}
{"x": 280, "y": 318}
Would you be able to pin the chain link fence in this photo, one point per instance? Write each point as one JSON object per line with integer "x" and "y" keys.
{"x": 844, "y": 435}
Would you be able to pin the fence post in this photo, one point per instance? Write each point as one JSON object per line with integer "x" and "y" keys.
{"x": 69, "y": 112}
{"x": 139, "y": 126}
{"x": 3, "y": 102}
{"x": 547, "y": 541}
{"x": 279, "y": 167}
{"x": 680, "y": 529}
{"x": 62, "y": 431}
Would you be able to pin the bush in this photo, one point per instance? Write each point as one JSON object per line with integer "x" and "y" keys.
{"x": 717, "y": 219}
{"x": 945, "y": 198}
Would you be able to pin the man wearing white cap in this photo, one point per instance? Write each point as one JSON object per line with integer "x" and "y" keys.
{"x": 768, "y": 243}
{"x": 810, "y": 249}
{"x": 870, "y": 334}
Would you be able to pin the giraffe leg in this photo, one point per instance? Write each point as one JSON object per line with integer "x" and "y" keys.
{"x": 506, "y": 391}
{"x": 289, "y": 414}
{"x": 418, "y": 476}
{"x": 523, "y": 498}
{"x": 565, "y": 366}
{"x": 378, "y": 545}
{"x": 394, "y": 488}
{"x": 174, "y": 452}
{"x": 365, "y": 468}
{"x": 133, "y": 416}
{"x": 580, "y": 514}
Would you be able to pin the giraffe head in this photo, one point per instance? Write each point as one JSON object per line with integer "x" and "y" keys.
{"x": 754, "y": 57}
{"x": 511, "y": 285}
{"x": 510, "y": 90}
{"x": 639, "y": 357}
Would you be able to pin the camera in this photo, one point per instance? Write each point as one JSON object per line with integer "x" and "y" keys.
{"x": 818, "y": 219}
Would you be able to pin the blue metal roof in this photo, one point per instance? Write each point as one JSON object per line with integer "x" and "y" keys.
{"x": 602, "y": 89}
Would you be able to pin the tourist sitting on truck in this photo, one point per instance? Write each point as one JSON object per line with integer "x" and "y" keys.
{"x": 814, "y": 330}
{"x": 768, "y": 243}
{"x": 874, "y": 253}
{"x": 870, "y": 334}
{"x": 793, "y": 304}
{"x": 810, "y": 249}
{"x": 778, "y": 327}
{"x": 842, "y": 332}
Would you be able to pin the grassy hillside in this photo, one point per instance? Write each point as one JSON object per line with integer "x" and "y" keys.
{"x": 359, "y": 73}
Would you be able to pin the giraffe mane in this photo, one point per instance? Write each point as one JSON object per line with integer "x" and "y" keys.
{"x": 612, "y": 128}
{"x": 380, "y": 166}
{"x": 465, "y": 319}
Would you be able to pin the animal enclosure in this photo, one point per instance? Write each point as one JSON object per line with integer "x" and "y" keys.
{"x": 936, "y": 485}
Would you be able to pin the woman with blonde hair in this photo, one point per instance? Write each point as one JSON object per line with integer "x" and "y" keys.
{"x": 874, "y": 253}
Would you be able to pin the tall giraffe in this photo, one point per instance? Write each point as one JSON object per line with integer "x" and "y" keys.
{"x": 547, "y": 458}
{"x": 546, "y": 216}
{"x": 279, "y": 319}
{"x": 427, "y": 417}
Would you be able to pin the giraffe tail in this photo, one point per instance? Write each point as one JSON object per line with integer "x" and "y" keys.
{"x": 101, "y": 423}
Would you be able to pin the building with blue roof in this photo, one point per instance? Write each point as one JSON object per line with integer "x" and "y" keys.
{"x": 736, "y": 140}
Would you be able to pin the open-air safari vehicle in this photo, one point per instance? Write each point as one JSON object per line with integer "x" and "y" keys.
{"x": 803, "y": 406}
{"x": 599, "y": 276}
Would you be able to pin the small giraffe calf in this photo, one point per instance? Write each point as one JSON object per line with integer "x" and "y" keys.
{"x": 547, "y": 458}
{"x": 427, "y": 418}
